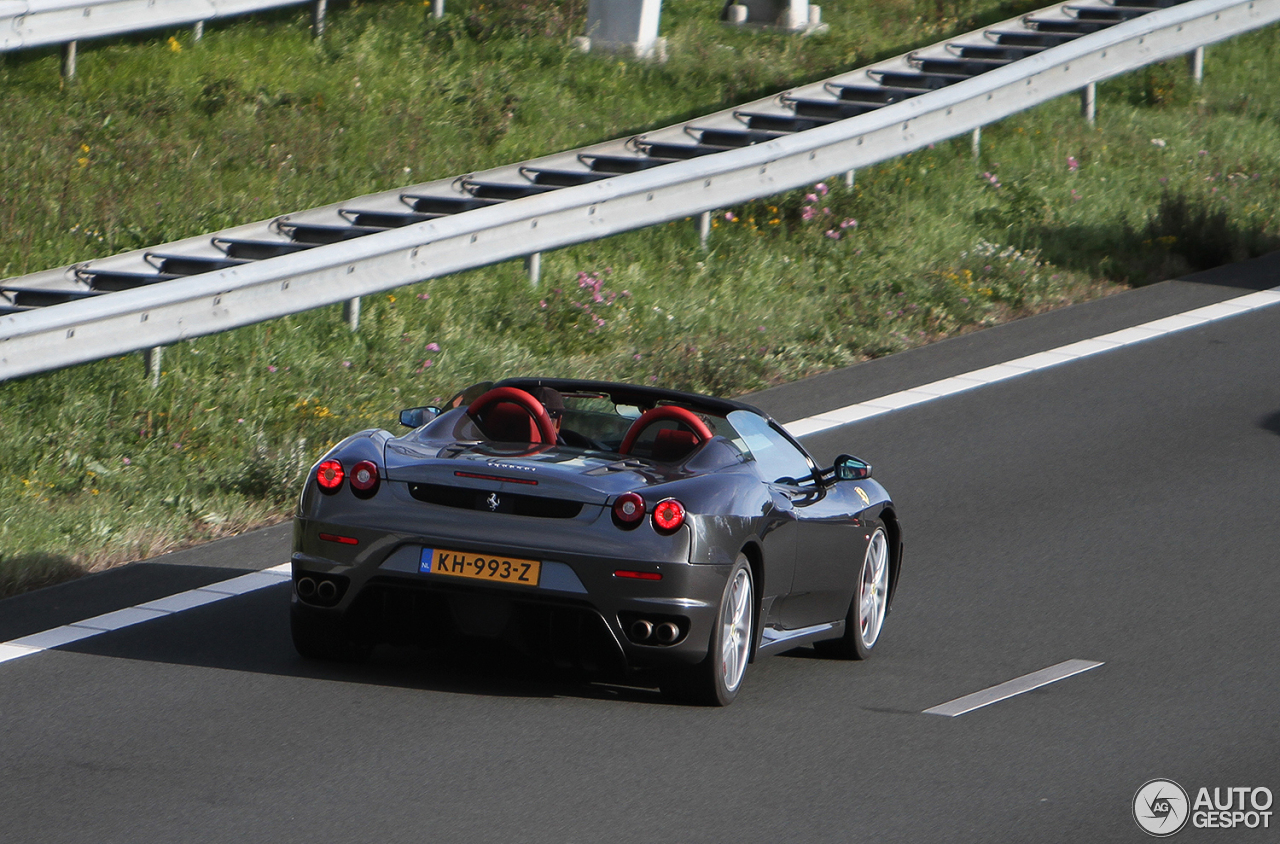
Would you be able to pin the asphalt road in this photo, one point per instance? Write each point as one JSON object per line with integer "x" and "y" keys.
{"x": 1122, "y": 509}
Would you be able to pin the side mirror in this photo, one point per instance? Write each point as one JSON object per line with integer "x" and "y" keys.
{"x": 849, "y": 468}
{"x": 416, "y": 417}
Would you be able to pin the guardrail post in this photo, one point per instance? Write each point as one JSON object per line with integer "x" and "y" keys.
{"x": 69, "y": 60}
{"x": 317, "y": 19}
{"x": 197, "y": 31}
{"x": 848, "y": 178}
{"x": 1089, "y": 102}
{"x": 437, "y": 9}
{"x": 704, "y": 228}
{"x": 977, "y": 143}
{"x": 533, "y": 266}
{"x": 351, "y": 313}
{"x": 151, "y": 361}
{"x": 1197, "y": 65}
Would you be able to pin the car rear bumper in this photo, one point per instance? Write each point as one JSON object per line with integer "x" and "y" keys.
{"x": 582, "y": 612}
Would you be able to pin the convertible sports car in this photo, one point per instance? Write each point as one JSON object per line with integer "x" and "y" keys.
{"x": 647, "y": 534}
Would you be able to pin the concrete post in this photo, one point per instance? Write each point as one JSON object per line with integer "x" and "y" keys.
{"x": 620, "y": 24}
{"x": 1197, "y": 65}
{"x": 437, "y": 9}
{"x": 797, "y": 15}
{"x": 533, "y": 266}
{"x": 704, "y": 228}
{"x": 848, "y": 179}
{"x": 351, "y": 313}
{"x": 791, "y": 15}
{"x": 197, "y": 31}
{"x": 977, "y": 143}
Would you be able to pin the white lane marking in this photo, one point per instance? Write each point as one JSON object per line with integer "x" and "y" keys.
{"x": 1017, "y": 686}
{"x": 120, "y": 619}
{"x": 799, "y": 428}
{"x": 1032, "y": 363}
{"x": 129, "y": 616}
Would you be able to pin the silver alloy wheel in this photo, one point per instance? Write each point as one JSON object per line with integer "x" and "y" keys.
{"x": 735, "y": 631}
{"x": 873, "y": 589}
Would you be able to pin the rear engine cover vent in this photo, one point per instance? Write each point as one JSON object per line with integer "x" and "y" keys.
{"x": 496, "y": 502}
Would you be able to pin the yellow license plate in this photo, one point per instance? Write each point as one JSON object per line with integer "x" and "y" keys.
{"x": 480, "y": 566}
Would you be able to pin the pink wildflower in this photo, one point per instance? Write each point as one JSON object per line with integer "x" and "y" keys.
{"x": 807, "y": 213}
{"x": 832, "y": 233}
{"x": 849, "y": 224}
{"x": 433, "y": 347}
{"x": 1072, "y": 164}
{"x": 821, "y": 187}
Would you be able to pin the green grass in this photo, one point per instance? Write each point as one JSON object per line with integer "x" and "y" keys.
{"x": 151, "y": 144}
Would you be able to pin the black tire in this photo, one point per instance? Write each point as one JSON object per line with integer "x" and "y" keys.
{"x": 717, "y": 679}
{"x": 864, "y": 621}
{"x": 323, "y": 636}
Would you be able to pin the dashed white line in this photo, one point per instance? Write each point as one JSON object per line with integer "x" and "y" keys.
{"x": 243, "y": 584}
{"x": 1017, "y": 686}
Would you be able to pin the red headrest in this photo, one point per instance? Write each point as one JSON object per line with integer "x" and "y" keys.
{"x": 671, "y": 445}
{"x": 509, "y": 423}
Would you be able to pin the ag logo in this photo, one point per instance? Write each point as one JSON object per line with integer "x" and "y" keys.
{"x": 1160, "y": 807}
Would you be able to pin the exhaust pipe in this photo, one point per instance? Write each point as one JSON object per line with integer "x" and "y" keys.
{"x": 641, "y": 630}
{"x": 327, "y": 590}
{"x": 306, "y": 587}
{"x": 667, "y": 632}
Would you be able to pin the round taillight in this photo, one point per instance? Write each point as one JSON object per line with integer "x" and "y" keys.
{"x": 629, "y": 508}
{"x": 329, "y": 475}
{"x": 668, "y": 514}
{"x": 364, "y": 476}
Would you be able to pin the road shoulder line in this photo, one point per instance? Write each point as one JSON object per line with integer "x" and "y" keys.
{"x": 1032, "y": 363}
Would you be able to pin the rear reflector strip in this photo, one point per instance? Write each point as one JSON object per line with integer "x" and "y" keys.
{"x": 345, "y": 540}
{"x": 638, "y": 575}
{"x": 526, "y": 481}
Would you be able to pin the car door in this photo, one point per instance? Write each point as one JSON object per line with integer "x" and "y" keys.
{"x": 783, "y": 469}
{"x": 829, "y": 549}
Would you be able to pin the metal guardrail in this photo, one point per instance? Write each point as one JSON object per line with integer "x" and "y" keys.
{"x": 38, "y": 23}
{"x": 253, "y": 273}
